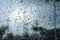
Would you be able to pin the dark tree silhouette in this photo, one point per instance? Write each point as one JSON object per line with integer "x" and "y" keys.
{"x": 2, "y": 31}
{"x": 53, "y": 0}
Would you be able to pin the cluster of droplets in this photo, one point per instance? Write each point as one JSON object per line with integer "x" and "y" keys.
{"x": 18, "y": 14}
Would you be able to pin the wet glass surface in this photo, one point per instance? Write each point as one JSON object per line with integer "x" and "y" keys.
{"x": 29, "y": 20}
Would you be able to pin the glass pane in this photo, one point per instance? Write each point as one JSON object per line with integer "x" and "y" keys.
{"x": 29, "y": 20}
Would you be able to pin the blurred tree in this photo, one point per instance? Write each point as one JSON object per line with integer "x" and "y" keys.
{"x": 40, "y": 29}
{"x": 43, "y": 31}
{"x": 57, "y": 0}
{"x": 10, "y": 36}
{"x": 51, "y": 35}
{"x": 52, "y": 0}
{"x": 2, "y": 31}
{"x": 26, "y": 36}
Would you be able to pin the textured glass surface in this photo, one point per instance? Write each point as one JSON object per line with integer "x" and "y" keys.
{"x": 29, "y": 19}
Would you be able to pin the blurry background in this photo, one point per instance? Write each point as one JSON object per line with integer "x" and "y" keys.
{"x": 32, "y": 17}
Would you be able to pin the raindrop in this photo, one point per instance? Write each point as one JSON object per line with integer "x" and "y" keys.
{"x": 21, "y": 1}
{"x": 44, "y": 17}
{"x": 24, "y": 12}
{"x": 0, "y": 7}
{"x": 39, "y": 16}
{"x": 8, "y": 20}
{"x": 33, "y": 2}
{"x": 18, "y": 13}
{"x": 16, "y": 19}
{"x": 28, "y": 18}
{"x": 9, "y": 11}
{"x": 48, "y": 23}
{"x": 17, "y": 26}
